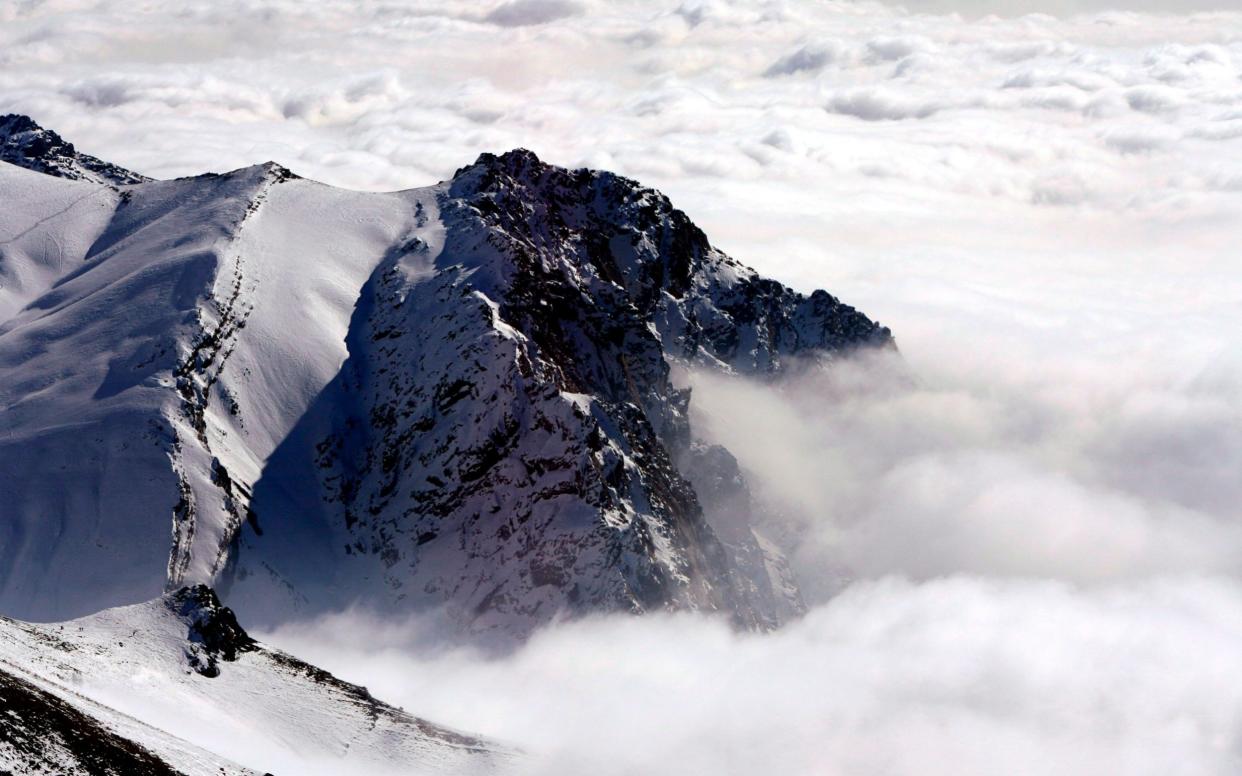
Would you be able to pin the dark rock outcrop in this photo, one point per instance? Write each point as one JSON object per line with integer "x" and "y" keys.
{"x": 213, "y": 633}
{"x": 26, "y": 144}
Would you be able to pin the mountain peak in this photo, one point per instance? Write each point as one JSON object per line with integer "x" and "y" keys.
{"x": 481, "y": 420}
{"x": 519, "y": 164}
{"x": 513, "y": 157}
{"x": 26, "y": 144}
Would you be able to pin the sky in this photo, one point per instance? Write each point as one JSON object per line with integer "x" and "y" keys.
{"x": 1020, "y": 540}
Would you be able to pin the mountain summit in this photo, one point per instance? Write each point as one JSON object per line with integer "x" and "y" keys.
{"x": 458, "y": 397}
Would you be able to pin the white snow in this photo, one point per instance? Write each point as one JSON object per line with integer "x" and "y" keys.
{"x": 89, "y": 351}
{"x": 48, "y": 226}
{"x": 127, "y": 667}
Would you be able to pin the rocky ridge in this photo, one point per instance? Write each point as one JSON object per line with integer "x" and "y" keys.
{"x": 26, "y": 144}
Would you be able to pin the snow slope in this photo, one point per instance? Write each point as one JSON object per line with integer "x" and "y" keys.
{"x": 455, "y": 397}
{"x": 176, "y": 681}
{"x": 41, "y": 732}
{"x": 50, "y": 225}
{"x": 117, "y": 413}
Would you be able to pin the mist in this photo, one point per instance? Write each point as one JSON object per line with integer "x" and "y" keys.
{"x": 960, "y": 675}
{"x": 1104, "y": 475}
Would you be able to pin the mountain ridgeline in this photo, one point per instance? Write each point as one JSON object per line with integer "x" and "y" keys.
{"x": 456, "y": 398}
{"x": 176, "y": 687}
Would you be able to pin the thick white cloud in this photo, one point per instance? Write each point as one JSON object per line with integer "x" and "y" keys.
{"x": 1047, "y": 211}
{"x": 1069, "y": 471}
{"x": 955, "y": 677}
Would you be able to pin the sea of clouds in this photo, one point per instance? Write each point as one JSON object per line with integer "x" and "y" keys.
{"x": 1021, "y": 542}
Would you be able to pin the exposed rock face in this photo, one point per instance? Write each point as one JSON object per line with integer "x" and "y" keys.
{"x": 510, "y": 434}
{"x": 213, "y": 633}
{"x": 26, "y": 144}
{"x": 456, "y": 397}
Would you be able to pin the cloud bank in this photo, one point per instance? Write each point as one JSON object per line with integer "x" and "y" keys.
{"x": 953, "y": 677}
{"x": 1088, "y": 477}
{"x": 975, "y": 8}
{"x": 1021, "y": 543}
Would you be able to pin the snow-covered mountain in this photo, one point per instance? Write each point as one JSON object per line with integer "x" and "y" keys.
{"x": 176, "y": 686}
{"x": 454, "y": 397}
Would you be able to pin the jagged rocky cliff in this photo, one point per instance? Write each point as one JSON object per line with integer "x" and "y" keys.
{"x": 456, "y": 397}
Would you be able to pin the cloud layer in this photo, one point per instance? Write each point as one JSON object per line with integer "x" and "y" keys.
{"x": 1022, "y": 542}
{"x": 1070, "y": 471}
{"x": 955, "y": 677}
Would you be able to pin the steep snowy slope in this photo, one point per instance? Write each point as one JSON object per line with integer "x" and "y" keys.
{"x": 42, "y": 733}
{"x": 453, "y": 397}
{"x": 176, "y": 686}
{"x": 49, "y": 227}
{"x": 89, "y": 385}
{"x": 118, "y": 415}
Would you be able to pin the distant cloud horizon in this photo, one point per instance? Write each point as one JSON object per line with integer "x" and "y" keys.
{"x": 976, "y": 8}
